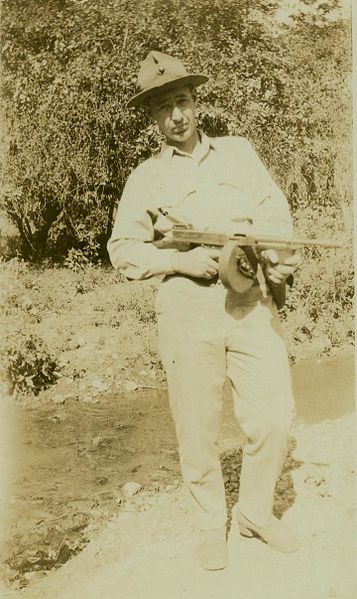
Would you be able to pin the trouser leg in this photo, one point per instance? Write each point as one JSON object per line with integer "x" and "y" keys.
{"x": 194, "y": 360}
{"x": 258, "y": 368}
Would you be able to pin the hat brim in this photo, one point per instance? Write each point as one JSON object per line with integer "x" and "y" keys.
{"x": 141, "y": 97}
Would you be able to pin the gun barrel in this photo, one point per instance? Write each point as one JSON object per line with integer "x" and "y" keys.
{"x": 182, "y": 234}
{"x": 275, "y": 243}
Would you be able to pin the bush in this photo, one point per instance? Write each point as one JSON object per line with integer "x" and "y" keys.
{"x": 71, "y": 142}
{"x": 319, "y": 307}
{"x": 28, "y": 365}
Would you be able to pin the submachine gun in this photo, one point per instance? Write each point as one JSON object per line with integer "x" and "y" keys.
{"x": 241, "y": 254}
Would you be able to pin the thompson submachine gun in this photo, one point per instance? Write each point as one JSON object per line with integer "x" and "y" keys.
{"x": 240, "y": 255}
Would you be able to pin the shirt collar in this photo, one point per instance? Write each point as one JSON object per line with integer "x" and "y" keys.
{"x": 200, "y": 151}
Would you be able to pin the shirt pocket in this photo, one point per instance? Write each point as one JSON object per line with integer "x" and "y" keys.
{"x": 173, "y": 207}
{"x": 236, "y": 206}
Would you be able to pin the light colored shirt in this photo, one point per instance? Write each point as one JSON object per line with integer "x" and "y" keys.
{"x": 222, "y": 186}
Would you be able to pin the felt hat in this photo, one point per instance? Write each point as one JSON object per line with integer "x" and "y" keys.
{"x": 161, "y": 72}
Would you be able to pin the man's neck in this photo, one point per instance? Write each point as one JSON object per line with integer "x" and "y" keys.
{"x": 186, "y": 146}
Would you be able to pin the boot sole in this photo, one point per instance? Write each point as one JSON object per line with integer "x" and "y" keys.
{"x": 252, "y": 534}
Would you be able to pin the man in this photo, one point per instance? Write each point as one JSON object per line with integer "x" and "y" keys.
{"x": 205, "y": 331}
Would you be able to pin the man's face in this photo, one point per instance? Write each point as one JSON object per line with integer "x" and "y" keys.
{"x": 174, "y": 113}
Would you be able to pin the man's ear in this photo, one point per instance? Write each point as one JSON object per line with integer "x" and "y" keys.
{"x": 194, "y": 95}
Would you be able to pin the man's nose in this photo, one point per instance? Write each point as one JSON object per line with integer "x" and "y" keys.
{"x": 176, "y": 115}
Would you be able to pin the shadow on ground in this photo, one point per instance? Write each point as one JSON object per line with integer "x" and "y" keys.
{"x": 285, "y": 495}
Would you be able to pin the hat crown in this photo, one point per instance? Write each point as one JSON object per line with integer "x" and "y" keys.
{"x": 159, "y": 72}
{"x": 158, "y": 66}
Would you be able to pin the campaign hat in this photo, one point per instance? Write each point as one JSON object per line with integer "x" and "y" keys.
{"x": 161, "y": 72}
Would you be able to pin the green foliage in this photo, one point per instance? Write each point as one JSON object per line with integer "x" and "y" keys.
{"x": 29, "y": 366}
{"x": 71, "y": 142}
{"x": 76, "y": 260}
{"x": 319, "y": 307}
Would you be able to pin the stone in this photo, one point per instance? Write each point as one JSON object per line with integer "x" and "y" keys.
{"x": 99, "y": 384}
{"x": 131, "y": 488}
{"x": 131, "y": 386}
{"x": 89, "y": 399}
{"x": 97, "y": 441}
{"x": 59, "y": 399}
{"x": 101, "y": 480}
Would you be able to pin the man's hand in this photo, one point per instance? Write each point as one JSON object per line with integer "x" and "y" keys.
{"x": 275, "y": 271}
{"x": 199, "y": 262}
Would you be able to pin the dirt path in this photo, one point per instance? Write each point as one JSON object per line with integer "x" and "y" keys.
{"x": 149, "y": 554}
{"x": 147, "y": 551}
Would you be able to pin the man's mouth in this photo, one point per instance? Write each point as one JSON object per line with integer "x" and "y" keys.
{"x": 178, "y": 130}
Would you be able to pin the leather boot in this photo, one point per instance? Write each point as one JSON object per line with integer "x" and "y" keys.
{"x": 212, "y": 549}
{"x": 276, "y": 535}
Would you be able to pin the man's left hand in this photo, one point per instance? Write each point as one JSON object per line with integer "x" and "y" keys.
{"x": 277, "y": 272}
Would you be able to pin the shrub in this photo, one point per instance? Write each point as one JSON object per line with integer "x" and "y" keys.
{"x": 71, "y": 142}
{"x": 320, "y": 304}
{"x": 28, "y": 365}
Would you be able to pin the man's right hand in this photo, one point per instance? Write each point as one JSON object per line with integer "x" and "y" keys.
{"x": 199, "y": 262}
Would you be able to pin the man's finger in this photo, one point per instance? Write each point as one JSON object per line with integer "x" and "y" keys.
{"x": 284, "y": 270}
{"x": 275, "y": 276}
{"x": 272, "y": 256}
{"x": 292, "y": 260}
{"x": 276, "y": 280}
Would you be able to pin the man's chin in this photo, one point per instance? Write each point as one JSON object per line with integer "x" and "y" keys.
{"x": 181, "y": 136}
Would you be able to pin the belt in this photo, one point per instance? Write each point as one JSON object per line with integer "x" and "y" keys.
{"x": 198, "y": 280}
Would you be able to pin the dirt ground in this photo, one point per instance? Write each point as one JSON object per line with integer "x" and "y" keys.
{"x": 68, "y": 450}
{"x": 146, "y": 547}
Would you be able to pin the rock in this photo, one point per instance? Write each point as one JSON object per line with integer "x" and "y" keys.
{"x": 27, "y": 302}
{"x": 58, "y": 399}
{"x": 35, "y": 575}
{"x": 63, "y": 361}
{"x": 99, "y": 384}
{"x": 76, "y": 343}
{"x": 97, "y": 441}
{"x": 89, "y": 399}
{"x": 131, "y": 386}
{"x": 101, "y": 480}
{"x": 317, "y": 346}
{"x": 130, "y": 489}
{"x": 55, "y": 418}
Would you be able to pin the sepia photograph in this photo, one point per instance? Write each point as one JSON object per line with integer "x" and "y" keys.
{"x": 177, "y": 406}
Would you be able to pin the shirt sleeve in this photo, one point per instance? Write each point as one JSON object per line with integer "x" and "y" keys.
{"x": 130, "y": 246}
{"x": 271, "y": 215}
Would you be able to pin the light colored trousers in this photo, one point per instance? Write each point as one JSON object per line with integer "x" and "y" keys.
{"x": 205, "y": 336}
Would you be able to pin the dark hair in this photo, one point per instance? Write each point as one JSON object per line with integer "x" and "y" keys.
{"x": 146, "y": 103}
